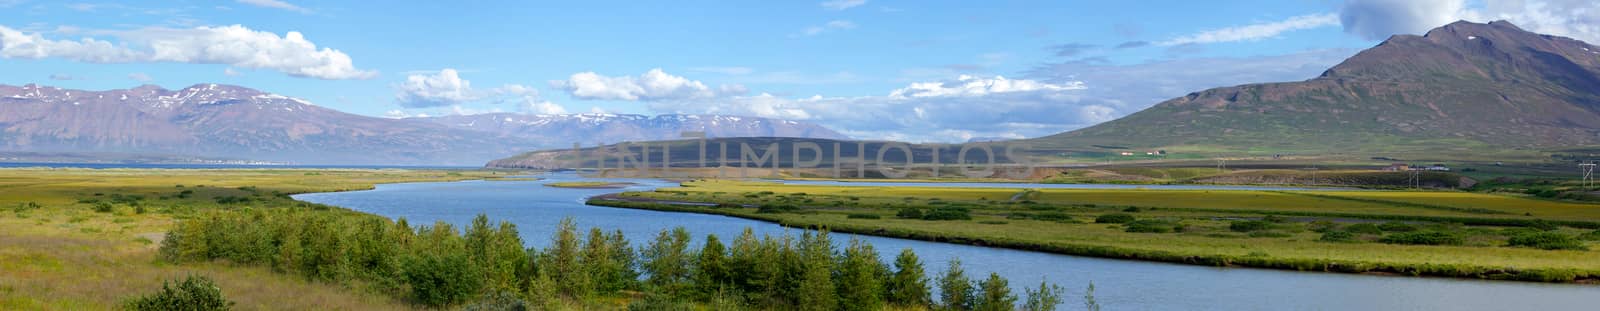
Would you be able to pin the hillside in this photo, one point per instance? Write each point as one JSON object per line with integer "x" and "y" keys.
{"x": 1461, "y": 89}
{"x": 214, "y": 120}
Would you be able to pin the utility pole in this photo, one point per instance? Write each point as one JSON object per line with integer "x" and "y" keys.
{"x": 1222, "y": 165}
{"x": 1588, "y": 175}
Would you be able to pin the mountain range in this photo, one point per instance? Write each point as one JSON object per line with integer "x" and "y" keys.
{"x": 1461, "y": 89}
{"x": 237, "y": 122}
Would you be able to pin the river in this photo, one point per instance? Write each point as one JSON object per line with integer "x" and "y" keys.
{"x": 1119, "y": 284}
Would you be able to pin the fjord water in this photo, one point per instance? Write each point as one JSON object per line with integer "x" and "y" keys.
{"x": 1119, "y": 284}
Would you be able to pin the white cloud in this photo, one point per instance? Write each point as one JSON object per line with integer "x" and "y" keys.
{"x": 139, "y": 76}
{"x": 231, "y": 73}
{"x": 276, "y": 4}
{"x": 829, "y": 26}
{"x": 654, "y": 85}
{"x": 1378, "y": 19}
{"x": 968, "y": 86}
{"x": 1256, "y": 31}
{"x": 432, "y": 90}
{"x": 940, "y": 111}
{"x": 541, "y": 107}
{"x": 445, "y": 87}
{"x": 234, "y": 45}
{"x": 839, "y": 5}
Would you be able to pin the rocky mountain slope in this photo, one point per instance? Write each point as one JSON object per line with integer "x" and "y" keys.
{"x": 1462, "y": 88}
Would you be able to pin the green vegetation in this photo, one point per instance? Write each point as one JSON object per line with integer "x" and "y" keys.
{"x": 194, "y": 293}
{"x": 1443, "y": 233}
{"x": 63, "y": 249}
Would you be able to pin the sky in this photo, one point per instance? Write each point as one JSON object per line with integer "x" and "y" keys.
{"x": 920, "y": 71}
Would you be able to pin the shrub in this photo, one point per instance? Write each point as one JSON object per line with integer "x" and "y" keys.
{"x": 947, "y": 213}
{"x": 1274, "y": 219}
{"x": 441, "y": 279}
{"x": 1249, "y": 226}
{"x": 193, "y": 293}
{"x": 1052, "y": 216}
{"x": 993, "y": 222}
{"x": 1337, "y": 236}
{"x": 1269, "y": 234}
{"x": 1394, "y": 226}
{"x": 727, "y": 205}
{"x": 1114, "y": 219}
{"x": 1363, "y": 229}
{"x": 863, "y": 216}
{"x": 1542, "y": 225}
{"x": 1323, "y": 226}
{"x": 1592, "y": 236}
{"x": 776, "y": 208}
{"x": 1152, "y": 226}
{"x": 909, "y": 213}
{"x": 102, "y": 207}
{"x": 1547, "y": 241}
{"x": 1423, "y": 238}
{"x": 1131, "y": 209}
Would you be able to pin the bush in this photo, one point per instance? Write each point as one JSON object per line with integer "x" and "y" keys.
{"x": 1322, "y": 226}
{"x": 441, "y": 279}
{"x": 1131, "y": 209}
{"x": 1423, "y": 238}
{"x": 102, "y": 207}
{"x": 909, "y": 213}
{"x": 1052, "y": 216}
{"x": 1269, "y": 234}
{"x": 1337, "y": 236}
{"x": 863, "y": 216}
{"x": 947, "y": 213}
{"x": 193, "y": 293}
{"x": 1118, "y": 218}
{"x": 993, "y": 222}
{"x": 1153, "y": 226}
{"x": 1547, "y": 241}
{"x": 776, "y": 208}
{"x": 1394, "y": 226}
{"x": 1363, "y": 229}
{"x": 1249, "y": 226}
{"x": 1592, "y": 236}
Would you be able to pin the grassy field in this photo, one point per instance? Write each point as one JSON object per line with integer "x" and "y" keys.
{"x": 76, "y": 239}
{"x": 1239, "y": 228}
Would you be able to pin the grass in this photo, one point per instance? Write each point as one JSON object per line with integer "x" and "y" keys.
{"x": 1202, "y": 224}
{"x": 62, "y": 255}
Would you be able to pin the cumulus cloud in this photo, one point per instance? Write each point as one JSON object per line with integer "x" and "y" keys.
{"x": 276, "y": 4}
{"x": 839, "y": 5}
{"x": 234, "y": 45}
{"x": 654, "y": 85}
{"x": 1255, "y": 31}
{"x": 541, "y": 107}
{"x": 935, "y": 111}
{"x": 1377, "y": 19}
{"x": 446, "y": 88}
{"x": 434, "y": 89}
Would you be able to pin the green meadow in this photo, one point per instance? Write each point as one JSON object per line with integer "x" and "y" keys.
{"x": 1433, "y": 233}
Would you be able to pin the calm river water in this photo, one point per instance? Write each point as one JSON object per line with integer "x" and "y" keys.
{"x": 1119, "y": 284}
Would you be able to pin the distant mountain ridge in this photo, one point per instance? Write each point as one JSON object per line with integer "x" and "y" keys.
{"x": 231, "y": 121}
{"x": 561, "y": 130}
{"x": 1461, "y": 88}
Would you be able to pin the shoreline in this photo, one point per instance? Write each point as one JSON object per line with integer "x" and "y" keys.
{"x": 1563, "y": 276}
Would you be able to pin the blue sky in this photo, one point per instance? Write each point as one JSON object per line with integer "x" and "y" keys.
{"x": 913, "y": 70}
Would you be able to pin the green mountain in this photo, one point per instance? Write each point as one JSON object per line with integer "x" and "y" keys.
{"x": 1462, "y": 89}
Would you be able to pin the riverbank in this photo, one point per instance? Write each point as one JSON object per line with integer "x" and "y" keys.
{"x": 590, "y": 185}
{"x": 88, "y": 238}
{"x": 1188, "y": 226}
